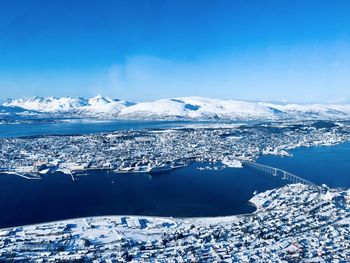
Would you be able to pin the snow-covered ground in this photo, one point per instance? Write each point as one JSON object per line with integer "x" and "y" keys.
{"x": 172, "y": 148}
{"x": 196, "y": 108}
{"x": 294, "y": 223}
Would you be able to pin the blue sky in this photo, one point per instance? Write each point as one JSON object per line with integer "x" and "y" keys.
{"x": 295, "y": 51}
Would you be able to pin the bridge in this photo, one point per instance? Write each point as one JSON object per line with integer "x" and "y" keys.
{"x": 277, "y": 172}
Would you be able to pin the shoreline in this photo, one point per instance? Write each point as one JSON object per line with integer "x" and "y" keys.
{"x": 234, "y": 163}
{"x": 137, "y": 216}
{"x": 241, "y": 238}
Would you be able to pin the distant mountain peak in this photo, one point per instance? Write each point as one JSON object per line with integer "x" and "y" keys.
{"x": 194, "y": 108}
{"x": 99, "y": 99}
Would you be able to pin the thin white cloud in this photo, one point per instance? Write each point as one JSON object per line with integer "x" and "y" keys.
{"x": 300, "y": 74}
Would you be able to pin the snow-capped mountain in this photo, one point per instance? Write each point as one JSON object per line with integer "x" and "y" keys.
{"x": 14, "y": 112}
{"x": 99, "y": 106}
{"x": 205, "y": 108}
{"x": 198, "y": 108}
{"x": 195, "y": 108}
{"x": 103, "y": 107}
{"x": 49, "y": 104}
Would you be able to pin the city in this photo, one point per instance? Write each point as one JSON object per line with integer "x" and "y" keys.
{"x": 175, "y": 131}
{"x": 153, "y": 151}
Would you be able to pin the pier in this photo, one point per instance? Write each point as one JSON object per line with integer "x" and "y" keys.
{"x": 277, "y": 172}
{"x": 26, "y": 176}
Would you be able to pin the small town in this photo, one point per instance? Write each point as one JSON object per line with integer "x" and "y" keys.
{"x": 159, "y": 150}
{"x": 292, "y": 223}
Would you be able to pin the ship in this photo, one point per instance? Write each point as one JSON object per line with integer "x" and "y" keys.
{"x": 160, "y": 168}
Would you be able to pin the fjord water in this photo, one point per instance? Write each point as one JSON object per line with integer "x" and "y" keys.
{"x": 328, "y": 165}
{"x": 80, "y": 126}
{"x": 184, "y": 192}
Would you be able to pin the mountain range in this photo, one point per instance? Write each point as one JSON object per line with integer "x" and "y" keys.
{"x": 185, "y": 108}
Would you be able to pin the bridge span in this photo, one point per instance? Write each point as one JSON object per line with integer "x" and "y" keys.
{"x": 277, "y": 172}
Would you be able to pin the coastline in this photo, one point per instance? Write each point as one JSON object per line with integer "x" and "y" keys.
{"x": 236, "y": 237}
{"x": 252, "y": 202}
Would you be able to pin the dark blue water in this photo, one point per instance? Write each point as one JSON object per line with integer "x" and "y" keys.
{"x": 185, "y": 192}
{"x": 321, "y": 165}
{"x": 83, "y": 127}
